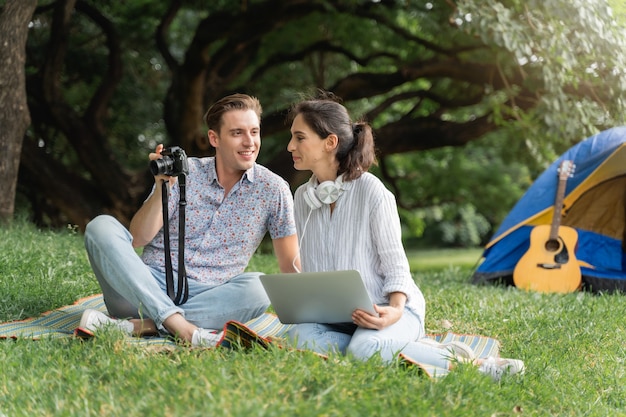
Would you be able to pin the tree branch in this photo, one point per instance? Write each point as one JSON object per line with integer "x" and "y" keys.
{"x": 161, "y": 34}
{"x": 98, "y": 105}
{"x": 56, "y": 50}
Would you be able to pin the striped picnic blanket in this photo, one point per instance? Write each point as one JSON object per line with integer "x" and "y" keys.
{"x": 263, "y": 330}
{"x": 63, "y": 322}
{"x": 267, "y": 329}
{"x": 53, "y": 324}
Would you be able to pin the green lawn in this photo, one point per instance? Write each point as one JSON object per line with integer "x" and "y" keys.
{"x": 437, "y": 259}
{"x": 574, "y": 347}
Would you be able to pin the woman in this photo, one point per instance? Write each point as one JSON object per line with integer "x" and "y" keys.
{"x": 347, "y": 219}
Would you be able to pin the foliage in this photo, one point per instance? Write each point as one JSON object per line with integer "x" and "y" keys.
{"x": 619, "y": 10}
{"x": 572, "y": 346}
{"x": 571, "y": 44}
{"x": 462, "y": 194}
{"x": 110, "y": 80}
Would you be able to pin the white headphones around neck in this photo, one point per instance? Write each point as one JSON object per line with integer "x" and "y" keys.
{"x": 326, "y": 192}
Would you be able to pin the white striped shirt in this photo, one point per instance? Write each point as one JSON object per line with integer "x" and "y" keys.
{"x": 363, "y": 233}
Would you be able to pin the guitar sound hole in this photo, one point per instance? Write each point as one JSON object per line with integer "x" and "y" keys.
{"x": 552, "y": 245}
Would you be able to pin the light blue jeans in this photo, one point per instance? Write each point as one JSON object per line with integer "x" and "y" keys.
{"x": 346, "y": 338}
{"x": 120, "y": 270}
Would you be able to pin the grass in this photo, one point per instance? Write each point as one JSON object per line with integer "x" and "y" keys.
{"x": 440, "y": 259}
{"x": 573, "y": 346}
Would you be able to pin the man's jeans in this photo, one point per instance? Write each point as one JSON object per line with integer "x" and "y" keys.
{"x": 131, "y": 289}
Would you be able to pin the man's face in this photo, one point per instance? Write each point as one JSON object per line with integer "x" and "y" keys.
{"x": 238, "y": 142}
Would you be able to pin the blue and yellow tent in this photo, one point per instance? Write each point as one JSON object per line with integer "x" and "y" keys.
{"x": 594, "y": 204}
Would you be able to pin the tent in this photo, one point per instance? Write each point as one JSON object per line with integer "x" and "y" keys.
{"x": 594, "y": 205}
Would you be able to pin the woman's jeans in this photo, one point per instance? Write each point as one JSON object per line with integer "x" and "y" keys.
{"x": 361, "y": 343}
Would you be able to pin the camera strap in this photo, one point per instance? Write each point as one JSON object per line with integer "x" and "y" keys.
{"x": 182, "y": 294}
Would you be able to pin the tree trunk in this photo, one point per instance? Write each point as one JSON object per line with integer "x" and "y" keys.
{"x": 14, "y": 115}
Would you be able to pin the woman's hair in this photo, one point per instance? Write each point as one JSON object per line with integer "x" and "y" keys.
{"x": 326, "y": 115}
{"x": 213, "y": 116}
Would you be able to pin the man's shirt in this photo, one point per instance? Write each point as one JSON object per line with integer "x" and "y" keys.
{"x": 222, "y": 232}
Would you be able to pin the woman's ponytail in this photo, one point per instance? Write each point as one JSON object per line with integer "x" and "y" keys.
{"x": 361, "y": 153}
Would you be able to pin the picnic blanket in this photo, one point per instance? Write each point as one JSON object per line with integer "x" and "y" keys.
{"x": 263, "y": 331}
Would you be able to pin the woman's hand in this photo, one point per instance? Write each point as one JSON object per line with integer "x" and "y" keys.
{"x": 387, "y": 315}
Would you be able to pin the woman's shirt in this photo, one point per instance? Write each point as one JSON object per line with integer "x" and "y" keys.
{"x": 363, "y": 233}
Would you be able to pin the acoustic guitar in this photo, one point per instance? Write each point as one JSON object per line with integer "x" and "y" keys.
{"x": 550, "y": 263}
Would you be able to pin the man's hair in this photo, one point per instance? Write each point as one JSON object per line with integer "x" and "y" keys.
{"x": 213, "y": 116}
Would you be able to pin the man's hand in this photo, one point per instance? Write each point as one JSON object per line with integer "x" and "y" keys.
{"x": 158, "y": 179}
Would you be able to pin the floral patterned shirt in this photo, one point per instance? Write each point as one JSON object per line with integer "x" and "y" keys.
{"x": 222, "y": 232}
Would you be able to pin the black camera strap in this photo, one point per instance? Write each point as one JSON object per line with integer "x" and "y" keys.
{"x": 179, "y": 297}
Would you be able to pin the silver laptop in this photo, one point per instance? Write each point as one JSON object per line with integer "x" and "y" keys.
{"x": 317, "y": 297}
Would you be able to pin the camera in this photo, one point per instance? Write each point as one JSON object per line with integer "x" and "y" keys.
{"x": 173, "y": 162}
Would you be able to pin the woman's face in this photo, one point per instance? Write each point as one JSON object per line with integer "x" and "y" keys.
{"x": 308, "y": 150}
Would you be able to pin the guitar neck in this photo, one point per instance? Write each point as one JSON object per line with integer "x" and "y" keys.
{"x": 558, "y": 208}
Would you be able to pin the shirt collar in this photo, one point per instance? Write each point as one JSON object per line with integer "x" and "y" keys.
{"x": 249, "y": 174}
{"x": 212, "y": 173}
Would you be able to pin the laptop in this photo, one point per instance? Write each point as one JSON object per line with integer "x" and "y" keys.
{"x": 317, "y": 297}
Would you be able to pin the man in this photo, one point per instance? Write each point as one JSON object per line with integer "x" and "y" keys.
{"x": 232, "y": 202}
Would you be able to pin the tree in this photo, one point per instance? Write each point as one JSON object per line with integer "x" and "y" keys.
{"x": 543, "y": 74}
{"x": 14, "y": 115}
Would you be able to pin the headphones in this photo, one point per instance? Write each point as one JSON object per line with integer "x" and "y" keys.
{"x": 325, "y": 193}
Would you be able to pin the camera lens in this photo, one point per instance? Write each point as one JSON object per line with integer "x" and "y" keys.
{"x": 162, "y": 166}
